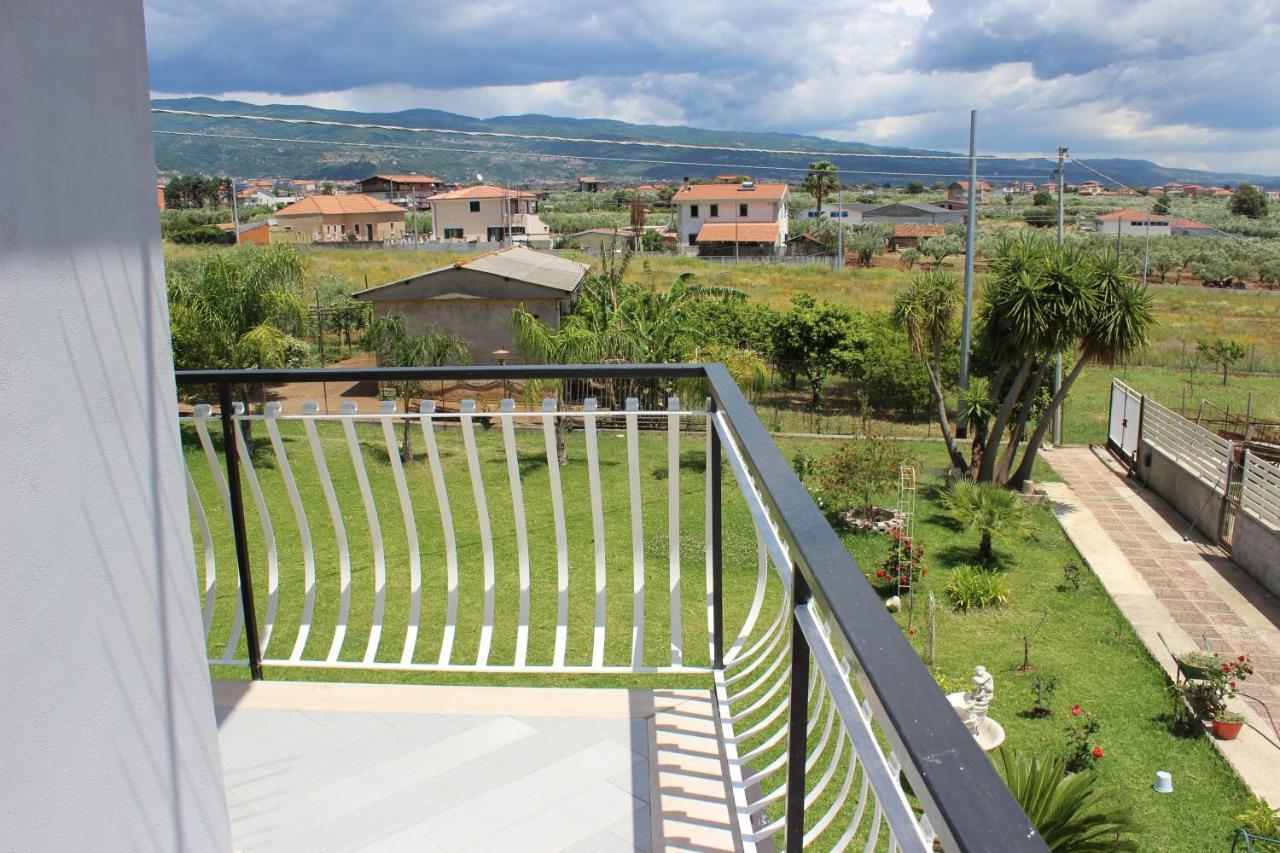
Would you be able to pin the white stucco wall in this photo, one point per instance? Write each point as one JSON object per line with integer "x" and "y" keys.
{"x": 108, "y": 734}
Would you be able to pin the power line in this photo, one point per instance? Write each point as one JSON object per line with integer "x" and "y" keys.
{"x": 588, "y": 141}
{"x": 525, "y": 154}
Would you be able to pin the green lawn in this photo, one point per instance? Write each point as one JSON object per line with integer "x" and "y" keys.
{"x": 1085, "y": 642}
{"x": 1084, "y": 419}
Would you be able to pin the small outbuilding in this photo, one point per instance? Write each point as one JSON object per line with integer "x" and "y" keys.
{"x": 908, "y": 236}
{"x": 474, "y": 299}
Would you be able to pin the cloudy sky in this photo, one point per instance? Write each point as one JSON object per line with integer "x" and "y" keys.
{"x": 1184, "y": 83}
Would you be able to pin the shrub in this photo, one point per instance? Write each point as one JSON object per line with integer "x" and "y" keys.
{"x": 1081, "y": 753}
{"x": 1042, "y": 690}
{"x": 858, "y": 471}
{"x": 971, "y": 588}
{"x": 893, "y": 379}
{"x": 1068, "y": 810}
{"x": 988, "y": 508}
{"x": 1260, "y": 818}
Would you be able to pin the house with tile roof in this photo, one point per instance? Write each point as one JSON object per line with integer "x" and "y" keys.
{"x": 959, "y": 191}
{"x": 490, "y": 214}
{"x": 1133, "y": 223}
{"x": 401, "y": 189}
{"x": 721, "y": 219}
{"x": 338, "y": 218}
{"x": 908, "y": 235}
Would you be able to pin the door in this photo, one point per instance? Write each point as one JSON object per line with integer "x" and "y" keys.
{"x": 368, "y": 226}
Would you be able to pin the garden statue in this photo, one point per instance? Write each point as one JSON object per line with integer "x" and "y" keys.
{"x": 972, "y": 707}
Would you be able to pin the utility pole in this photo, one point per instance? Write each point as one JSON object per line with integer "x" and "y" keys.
{"x": 971, "y": 218}
{"x": 235, "y": 210}
{"x": 1057, "y": 365}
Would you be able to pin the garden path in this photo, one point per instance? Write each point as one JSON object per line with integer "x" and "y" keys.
{"x": 1186, "y": 589}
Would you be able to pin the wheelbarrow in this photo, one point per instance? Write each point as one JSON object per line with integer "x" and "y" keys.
{"x": 1190, "y": 669}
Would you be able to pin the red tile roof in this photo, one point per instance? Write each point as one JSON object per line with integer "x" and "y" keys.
{"x": 1187, "y": 223}
{"x": 746, "y": 232}
{"x": 729, "y": 192}
{"x": 480, "y": 191}
{"x": 919, "y": 230}
{"x": 1126, "y": 213}
{"x": 338, "y": 205}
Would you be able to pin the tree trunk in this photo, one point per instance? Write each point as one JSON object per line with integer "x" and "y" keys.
{"x": 562, "y": 432}
{"x": 984, "y": 546}
{"x": 992, "y": 451}
{"x": 940, "y": 401}
{"x": 406, "y": 452}
{"x": 1033, "y": 445}
{"x": 1224, "y": 374}
{"x": 1001, "y": 471}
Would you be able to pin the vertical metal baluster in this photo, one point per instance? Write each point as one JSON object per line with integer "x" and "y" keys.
{"x": 268, "y": 531}
{"x": 716, "y": 544}
{"x": 562, "y": 539}
{"x": 311, "y": 411}
{"x": 673, "y": 530}
{"x": 797, "y": 725}
{"x": 236, "y": 500}
{"x": 273, "y": 411}
{"x": 637, "y": 534}
{"x": 428, "y": 408}
{"x": 206, "y": 545}
{"x": 410, "y": 531}
{"x": 597, "y": 525}
{"x": 467, "y": 411}
{"x": 522, "y": 530}
{"x": 203, "y": 413}
{"x": 349, "y": 410}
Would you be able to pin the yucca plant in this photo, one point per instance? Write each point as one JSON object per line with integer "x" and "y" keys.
{"x": 1071, "y": 813}
{"x": 989, "y": 509}
{"x": 972, "y": 588}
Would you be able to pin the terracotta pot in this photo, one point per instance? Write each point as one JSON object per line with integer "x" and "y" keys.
{"x": 1226, "y": 730}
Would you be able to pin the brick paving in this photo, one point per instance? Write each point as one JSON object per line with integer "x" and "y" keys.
{"x": 1204, "y": 593}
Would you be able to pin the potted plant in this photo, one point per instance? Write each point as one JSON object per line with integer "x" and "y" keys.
{"x": 1226, "y": 725}
{"x": 1209, "y": 695}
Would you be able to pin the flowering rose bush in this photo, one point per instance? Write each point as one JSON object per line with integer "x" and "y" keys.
{"x": 1081, "y": 754}
{"x": 904, "y": 565}
{"x": 1209, "y": 695}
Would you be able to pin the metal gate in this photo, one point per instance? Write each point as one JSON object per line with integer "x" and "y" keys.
{"x": 1125, "y": 420}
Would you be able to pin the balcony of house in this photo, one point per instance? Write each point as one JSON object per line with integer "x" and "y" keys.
{"x": 638, "y": 629}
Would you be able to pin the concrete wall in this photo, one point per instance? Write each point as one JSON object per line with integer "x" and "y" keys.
{"x": 485, "y": 324}
{"x": 1255, "y": 547}
{"x": 109, "y": 739}
{"x": 1190, "y": 495}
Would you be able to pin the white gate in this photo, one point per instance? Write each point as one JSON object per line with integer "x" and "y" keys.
{"x": 1125, "y": 417}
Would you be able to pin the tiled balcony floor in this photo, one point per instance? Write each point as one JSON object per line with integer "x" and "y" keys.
{"x": 328, "y": 767}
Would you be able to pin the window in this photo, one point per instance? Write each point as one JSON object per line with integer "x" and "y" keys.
{"x": 742, "y": 210}
{"x": 453, "y": 233}
{"x": 474, "y": 206}
{"x": 693, "y": 211}
{"x": 715, "y": 211}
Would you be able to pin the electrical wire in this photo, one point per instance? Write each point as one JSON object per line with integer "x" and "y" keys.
{"x": 755, "y": 167}
{"x": 586, "y": 141}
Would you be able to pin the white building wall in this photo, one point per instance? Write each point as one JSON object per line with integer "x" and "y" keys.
{"x": 728, "y": 211}
{"x": 109, "y": 738}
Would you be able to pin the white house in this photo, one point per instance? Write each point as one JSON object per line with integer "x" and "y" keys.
{"x": 1134, "y": 223}
{"x": 262, "y": 198}
{"x": 845, "y": 212}
{"x": 714, "y": 214}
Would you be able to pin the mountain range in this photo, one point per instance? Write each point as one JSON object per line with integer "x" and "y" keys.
{"x": 335, "y": 153}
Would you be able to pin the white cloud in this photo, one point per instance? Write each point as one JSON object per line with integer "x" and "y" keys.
{"x": 1181, "y": 82}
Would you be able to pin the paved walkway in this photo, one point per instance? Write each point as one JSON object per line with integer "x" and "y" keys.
{"x": 339, "y": 767}
{"x": 1187, "y": 590}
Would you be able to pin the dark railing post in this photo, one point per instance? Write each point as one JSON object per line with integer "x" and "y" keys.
{"x": 797, "y": 720}
{"x": 231, "y": 449}
{"x": 716, "y": 533}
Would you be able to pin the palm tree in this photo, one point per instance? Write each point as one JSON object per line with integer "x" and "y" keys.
{"x": 989, "y": 509}
{"x": 927, "y": 312}
{"x": 1069, "y": 811}
{"x": 239, "y": 309}
{"x": 394, "y": 345}
{"x": 1114, "y": 324}
{"x": 823, "y": 180}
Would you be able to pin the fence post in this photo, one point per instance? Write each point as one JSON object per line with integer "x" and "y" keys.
{"x": 232, "y": 452}
{"x": 1137, "y": 445}
{"x": 797, "y": 719}
{"x": 716, "y": 532}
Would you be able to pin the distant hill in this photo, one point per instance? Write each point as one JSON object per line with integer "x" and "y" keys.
{"x": 458, "y": 158}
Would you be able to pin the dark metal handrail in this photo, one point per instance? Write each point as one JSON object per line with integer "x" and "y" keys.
{"x": 958, "y": 787}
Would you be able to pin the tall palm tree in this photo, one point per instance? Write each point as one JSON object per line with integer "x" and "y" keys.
{"x": 395, "y": 345}
{"x": 823, "y": 180}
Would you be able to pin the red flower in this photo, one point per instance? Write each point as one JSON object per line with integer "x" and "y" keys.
{"x": 1226, "y": 667}
{"x": 880, "y": 573}
{"x": 1242, "y": 658}
{"x": 1097, "y": 752}
{"x": 1233, "y": 685}
{"x": 1076, "y": 710}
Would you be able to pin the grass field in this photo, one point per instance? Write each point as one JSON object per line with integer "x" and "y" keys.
{"x": 1085, "y": 642}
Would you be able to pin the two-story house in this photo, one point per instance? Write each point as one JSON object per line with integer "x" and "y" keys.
{"x": 748, "y": 218}
{"x": 490, "y": 214}
{"x": 959, "y": 191}
{"x": 401, "y": 189}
